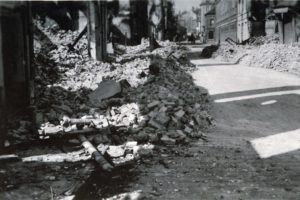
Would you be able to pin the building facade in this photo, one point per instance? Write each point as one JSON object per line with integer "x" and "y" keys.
{"x": 243, "y": 23}
{"x": 209, "y": 36}
{"x": 205, "y": 7}
{"x": 284, "y": 18}
{"x": 226, "y": 20}
{"x": 197, "y": 12}
{"x": 240, "y": 20}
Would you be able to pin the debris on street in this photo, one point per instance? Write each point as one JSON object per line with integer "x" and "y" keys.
{"x": 264, "y": 52}
{"x": 109, "y": 113}
{"x": 136, "y": 195}
{"x": 159, "y": 95}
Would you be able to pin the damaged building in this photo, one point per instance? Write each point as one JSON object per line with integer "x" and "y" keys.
{"x": 283, "y": 18}
{"x": 240, "y": 20}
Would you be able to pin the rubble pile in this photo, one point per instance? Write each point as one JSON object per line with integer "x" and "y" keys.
{"x": 89, "y": 74}
{"x": 153, "y": 99}
{"x": 265, "y": 52}
{"x": 167, "y": 108}
{"x": 157, "y": 93}
{"x": 281, "y": 57}
{"x": 62, "y": 54}
{"x": 110, "y": 113}
{"x": 231, "y": 52}
{"x": 171, "y": 107}
{"x": 143, "y": 47}
{"x": 115, "y": 110}
{"x": 57, "y": 35}
{"x": 260, "y": 40}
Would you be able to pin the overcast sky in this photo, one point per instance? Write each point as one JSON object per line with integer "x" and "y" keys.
{"x": 186, "y": 4}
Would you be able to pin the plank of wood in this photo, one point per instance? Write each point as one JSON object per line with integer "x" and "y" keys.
{"x": 100, "y": 160}
{"x": 9, "y": 158}
{"x": 76, "y": 156}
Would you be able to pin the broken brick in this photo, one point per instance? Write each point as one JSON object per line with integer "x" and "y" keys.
{"x": 167, "y": 140}
{"x": 153, "y": 104}
{"x": 179, "y": 114}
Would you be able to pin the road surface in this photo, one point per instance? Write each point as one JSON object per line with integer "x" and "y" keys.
{"x": 257, "y": 131}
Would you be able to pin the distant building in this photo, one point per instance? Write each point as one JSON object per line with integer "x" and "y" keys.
{"x": 205, "y": 7}
{"x": 197, "y": 12}
{"x": 251, "y": 15}
{"x": 200, "y": 13}
{"x": 209, "y": 35}
{"x": 188, "y": 20}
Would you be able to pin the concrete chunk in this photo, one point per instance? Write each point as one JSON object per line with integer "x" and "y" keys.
{"x": 153, "y": 104}
{"x": 48, "y": 130}
{"x": 162, "y": 118}
{"x": 163, "y": 109}
{"x": 115, "y": 151}
{"x": 188, "y": 130}
{"x": 155, "y": 124}
{"x": 179, "y": 114}
{"x": 124, "y": 161}
{"x": 167, "y": 140}
{"x": 105, "y": 90}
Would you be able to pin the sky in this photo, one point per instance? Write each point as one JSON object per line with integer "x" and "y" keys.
{"x": 186, "y": 4}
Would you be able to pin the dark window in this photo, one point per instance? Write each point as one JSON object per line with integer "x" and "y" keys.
{"x": 210, "y": 35}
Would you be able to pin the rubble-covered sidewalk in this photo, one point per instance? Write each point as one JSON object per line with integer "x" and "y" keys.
{"x": 113, "y": 113}
{"x": 265, "y": 52}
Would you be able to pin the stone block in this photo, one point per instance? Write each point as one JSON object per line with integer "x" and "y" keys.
{"x": 115, "y": 151}
{"x": 106, "y": 89}
{"x": 155, "y": 124}
{"x": 153, "y": 104}
{"x": 167, "y": 140}
{"x": 188, "y": 130}
{"x": 162, "y": 118}
{"x": 179, "y": 114}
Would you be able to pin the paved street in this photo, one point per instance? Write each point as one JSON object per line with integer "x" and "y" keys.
{"x": 257, "y": 113}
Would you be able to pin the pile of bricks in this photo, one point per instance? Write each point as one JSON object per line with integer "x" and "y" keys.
{"x": 169, "y": 108}
{"x": 155, "y": 99}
